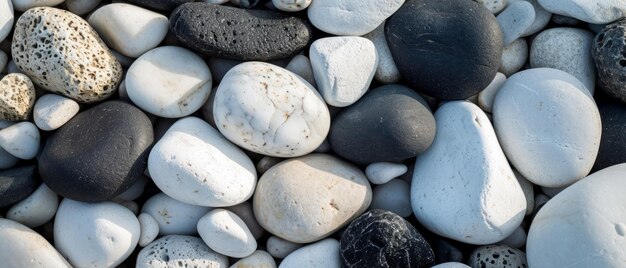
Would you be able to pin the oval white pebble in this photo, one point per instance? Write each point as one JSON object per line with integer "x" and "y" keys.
{"x": 451, "y": 265}
{"x": 514, "y": 57}
{"x": 348, "y": 17}
{"x": 258, "y": 259}
{"x": 149, "y": 229}
{"x": 173, "y": 216}
{"x": 324, "y": 253}
{"x": 382, "y": 172}
{"x": 22, "y": 247}
{"x": 246, "y": 213}
{"x": 486, "y": 97}
{"x": 280, "y": 248}
{"x": 20, "y": 140}
{"x": 36, "y": 209}
{"x": 52, "y": 111}
{"x": 23, "y": 5}
{"x": 386, "y": 72}
{"x": 516, "y": 18}
{"x": 394, "y": 196}
{"x": 226, "y": 233}
{"x": 179, "y": 251}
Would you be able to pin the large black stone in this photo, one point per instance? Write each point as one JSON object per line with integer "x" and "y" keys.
{"x": 381, "y": 238}
{"x": 98, "y": 154}
{"x": 613, "y": 142}
{"x": 448, "y": 49}
{"x": 609, "y": 53}
{"x": 389, "y": 124}
{"x": 164, "y": 5}
{"x": 240, "y": 34}
{"x": 17, "y": 184}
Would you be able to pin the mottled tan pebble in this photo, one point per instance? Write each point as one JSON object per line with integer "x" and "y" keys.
{"x": 17, "y": 97}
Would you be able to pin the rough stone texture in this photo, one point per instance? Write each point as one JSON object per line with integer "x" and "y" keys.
{"x": 613, "y": 142}
{"x": 63, "y": 54}
{"x": 17, "y": 98}
{"x": 16, "y": 184}
{"x": 498, "y": 256}
{"x": 381, "y": 238}
{"x": 235, "y": 33}
{"x": 179, "y": 251}
{"x": 163, "y": 5}
{"x": 609, "y": 54}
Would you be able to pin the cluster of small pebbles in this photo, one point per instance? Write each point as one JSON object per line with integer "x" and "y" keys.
{"x": 312, "y": 133}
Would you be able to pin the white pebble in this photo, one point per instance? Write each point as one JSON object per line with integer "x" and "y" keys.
{"x": 517, "y": 239}
{"x": 22, "y": 247}
{"x": 6, "y": 21}
{"x": 301, "y": 65}
{"x": 36, "y": 209}
{"x": 382, "y": 172}
{"x": 486, "y": 97}
{"x": 23, "y": 5}
{"x": 226, "y": 233}
{"x": 324, "y": 253}
{"x": 386, "y": 72}
{"x": 495, "y": 6}
{"x": 529, "y": 191}
{"x": 258, "y": 259}
{"x": 291, "y": 5}
{"x": 280, "y": 248}
{"x": 149, "y": 229}
{"x": 173, "y": 216}
{"x": 349, "y": 17}
{"x": 393, "y": 196}
{"x": 21, "y": 140}
{"x": 53, "y": 111}
{"x": 179, "y": 251}
{"x": 515, "y": 20}
{"x": 514, "y": 57}
{"x": 4, "y": 58}
{"x": 246, "y": 213}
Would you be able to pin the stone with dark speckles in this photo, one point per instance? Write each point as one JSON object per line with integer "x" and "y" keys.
{"x": 609, "y": 53}
{"x": 498, "y": 256}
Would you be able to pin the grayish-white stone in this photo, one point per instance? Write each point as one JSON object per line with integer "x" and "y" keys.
{"x": 21, "y": 140}
{"x": 514, "y": 57}
{"x": 591, "y": 11}
{"x": 349, "y": 17}
{"x": 280, "y": 248}
{"x": 149, "y": 229}
{"x": 291, "y": 5}
{"x": 386, "y": 71}
{"x": 324, "y": 253}
{"x": 485, "y": 97}
{"x": 394, "y": 196}
{"x": 258, "y": 259}
{"x": 301, "y": 65}
{"x": 6, "y": 21}
{"x": 23, "y": 5}
{"x": 36, "y": 209}
{"x": 173, "y": 216}
{"x": 81, "y": 7}
{"x": 383, "y": 172}
{"x": 515, "y": 20}
{"x": 52, "y": 111}
{"x": 226, "y": 233}
{"x": 179, "y": 251}
{"x": 22, "y": 247}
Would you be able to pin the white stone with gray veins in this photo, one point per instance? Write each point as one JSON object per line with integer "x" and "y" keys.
{"x": 485, "y": 97}
{"x": 382, "y": 172}
{"x": 495, "y": 6}
{"x": 22, "y": 247}
{"x": 37, "y": 209}
{"x": 542, "y": 17}
{"x": 194, "y": 164}
{"x": 179, "y": 251}
{"x": 566, "y": 49}
{"x": 514, "y": 57}
{"x": 226, "y": 233}
{"x": 258, "y": 259}
{"x": 6, "y": 20}
{"x": 386, "y": 71}
{"x": 61, "y": 53}
{"x": 324, "y": 253}
{"x": 52, "y": 111}
{"x": 591, "y": 11}
{"x": 21, "y": 140}
{"x": 149, "y": 229}
{"x": 332, "y": 56}
{"x": 349, "y": 17}
{"x": 173, "y": 216}
{"x": 269, "y": 110}
{"x": 81, "y": 7}
{"x": 539, "y": 116}
{"x": 301, "y": 65}
{"x": 463, "y": 187}
{"x": 515, "y": 20}
{"x": 17, "y": 97}
{"x": 23, "y": 5}
{"x": 291, "y": 5}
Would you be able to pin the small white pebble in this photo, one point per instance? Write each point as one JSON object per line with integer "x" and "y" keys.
{"x": 53, "y": 111}
{"x": 383, "y": 172}
{"x": 36, "y": 209}
{"x": 280, "y": 248}
{"x": 149, "y": 229}
{"x": 21, "y": 140}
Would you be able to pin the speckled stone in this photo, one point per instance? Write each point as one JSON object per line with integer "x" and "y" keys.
{"x": 16, "y": 184}
{"x": 179, "y": 251}
{"x": 498, "y": 256}
{"x": 63, "y": 54}
{"x": 17, "y": 98}
{"x": 164, "y": 5}
{"x": 609, "y": 53}
{"x": 381, "y": 238}
{"x": 235, "y": 33}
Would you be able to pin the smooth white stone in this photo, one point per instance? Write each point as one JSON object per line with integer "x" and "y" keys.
{"x": 258, "y": 259}
{"x": 22, "y": 247}
{"x": 542, "y": 17}
{"x": 6, "y": 21}
{"x": 81, "y": 7}
{"x": 301, "y": 65}
{"x": 280, "y": 248}
{"x": 451, "y": 265}
{"x": 179, "y": 251}
{"x": 291, "y": 5}
{"x": 515, "y": 20}
{"x": 21, "y": 140}
{"x": 246, "y": 213}
{"x": 226, "y": 233}
{"x": 37, "y": 209}
{"x": 324, "y": 253}
{"x": 517, "y": 239}
{"x": 149, "y": 229}
{"x": 486, "y": 97}
{"x": 183, "y": 84}
{"x": 172, "y": 216}
{"x": 463, "y": 187}
{"x": 394, "y": 196}
{"x": 495, "y": 6}
{"x": 386, "y": 72}
{"x": 332, "y": 56}
{"x": 134, "y": 191}
{"x": 23, "y": 5}
{"x": 529, "y": 192}
{"x": 383, "y": 172}
{"x": 349, "y": 17}
{"x": 591, "y": 11}
{"x": 514, "y": 56}
{"x": 53, "y": 111}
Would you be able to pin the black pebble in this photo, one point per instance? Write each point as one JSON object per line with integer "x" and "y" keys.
{"x": 613, "y": 142}
{"x": 17, "y": 184}
{"x": 163, "y": 5}
{"x": 239, "y": 34}
{"x": 381, "y": 238}
{"x": 98, "y": 154}
{"x": 448, "y": 49}
{"x": 609, "y": 53}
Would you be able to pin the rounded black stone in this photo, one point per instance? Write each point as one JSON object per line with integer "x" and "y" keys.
{"x": 609, "y": 54}
{"x": 16, "y": 184}
{"x": 240, "y": 34}
{"x": 389, "y": 124}
{"x": 164, "y": 5}
{"x": 98, "y": 154}
{"x": 448, "y": 49}
{"x": 381, "y": 238}
{"x": 613, "y": 142}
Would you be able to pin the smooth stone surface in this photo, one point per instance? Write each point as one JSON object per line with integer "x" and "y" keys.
{"x": 514, "y": 57}
{"x": 184, "y": 82}
{"x": 542, "y": 17}
{"x": 301, "y": 65}
{"x": 291, "y": 5}
{"x": 332, "y": 56}
{"x": 383, "y": 172}
{"x": 16, "y": 184}
{"x": 486, "y": 97}
{"x": 515, "y": 20}
{"x": 135, "y": 191}
{"x": 323, "y": 253}
{"x": 269, "y": 110}
{"x": 564, "y": 20}
{"x": 209, "y": 170}
{"x": 495, "y": 6}
{"x": 21, "y": 140}
{"x": 149, "y": 229}
{"x": 381, "y": 238}
{"x": 529, "y": 191}
{"x": 81, "y": 7}
{"x": 421, "y": 35}
{"x": 463, "y": 187}
{"x": 23, "y": 5}
{"x": 104, "y": 234}
{"x": 497, "y": 256}
{"x": 7, "y": 160}
{"x": 129, "y": 29}
{"x": 4, "y": 59}
{"x": 590, "y": 215}
{"x": 68, "y": 57}
{"x": 258, "y": 259}
{"x": 590, "y": 11}
{"x": 613, "y": 142}
{"x": 17, "y": 98}
{"x": 445, "y": 251}
{"x": 394, "y": 196}
{"x": 607, "y": 52}
{"x": 395, "y": 122}
{"x": 226, "y": 233}
{"x": 91, "y": 157}
{"x": 6, "y": 20}
{"x": 547, "y": 145}
{"x": 245, "y": 211}
{"x": 516, "y": 240}
{"x": 346, "y": 17}
{"x": 179, "y": 251}
{"x": 235, "y": 33}
{"x": 52, "y": 111}
{"x": 172, "y": 216}
{"x": 308, "y": 198}
{"x": 386, "y": 72}
{"x": 22, "y": 247}
{"x": 451, "y": 265}
{"x": 280, "y": 248}
{"x": 37, "y": 209}
{"x": 566, "y": 49}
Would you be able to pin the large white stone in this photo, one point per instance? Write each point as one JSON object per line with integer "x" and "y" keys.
{"x": 592, "y": 11}
{"x": 21, "y": 140}
{"x": 226, "y": 233}
{"x": 387, "y": 72}
{"x": 23, "y": 5}
{"x": 542, "y": 17}
{"x": 194, "y": 164}
{"x": 584, "y": 225}
{"x": 36, "y": 209}
{"x": 6, "y": 21}
{"x": 173, "y": 216}
{"x": 324, "y": 253}
{"x": 349, "y": 17}
{"x": 22, "y": 247}
{"x": 52, "y": 111}
{"x": 463, "y": 187}
{"x": 548, "y": 125}
{"x": 179, "y": 251}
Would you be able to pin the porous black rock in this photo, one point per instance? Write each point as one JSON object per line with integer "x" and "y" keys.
{"x": 613, "y": 142}
{"x": 98, "y": 154}
{"x": 16, "y": 184}
{"x": 389, "y": 124}
{"x": 239, "y": 34}
{"x": 609, "y": 54}
{"x": 447, "y": 49}
{"x": 163, "y": 5}
{"x": 381, "y": 238}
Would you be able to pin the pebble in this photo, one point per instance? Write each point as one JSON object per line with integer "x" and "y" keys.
{"x": 301, "y": 65}
{"x": 529, "y": 192}
{"x": 393, "y": 196}
{"x": 346, "y": 17}
{"x": 21, "y": 140}
{"x": 266, "y": 163}
{"x": 542, "y": 17}
{"x": 590, "y": 215}
{"x": 37, "y": 209}
{"x": 280, "y": 248}
{"x": 610, "y": 60}
{"x": 22, "y": 247}
{"x": 445, "y": 251}
{"x": 462, "y": 171}
{"x": 323, "y": 253}
{"x": 517, "y": 239}
{"x": 245, "y": 211}
{"x": 566, "y": 49}
{"x": 393, "y": 123}
{"x": 564, "y": 20}
{"x": 161, "y": 5}
{"x": 7, "y": 160}
{"x": 52, "y": 111}
{"x": 91, "y": 159}
{"x": 514, "y": 57}
{"x": 4, "y": 60}
{"x": 552, "y": 192}
{"x": 179, "y": 251}
{"x": 235, "y": 33}
{"x": 291, "y": 5}
{"x": 486, "y": 97}
{"x": 284, "y": 203}
{"x": 16, "y": 184}
{"x": 226, "y": 233}
{"x": 81, "y": 7}
{"x": 332, "y": 56}
{"x": 130, "y": 205}
{"x": 68, "y": 57}
{"x": 172, "y": 216}
{"x": 135, "y": 191}
{"x": 149, "y": 229}
{"x": 419, "y": 33}
{"x": 495, "y": 6}
{"x": 6, "y": 20}
{"x": 17, "y": 98}
{"x": 269, "y": 110}
{"x": 591, "y": 11}
{"x": 104, "y": 234}
{"x": 451, "y": 265}
{"x": 383, "y": 172}
{"x": 258, "y": 259}
{"x": 381, "y": 238}
{"x": 24, "y": 5}
{"x": 613, "y": 141}
{"x": 498, "y": 256}
{"x": 124, "y": 61}
{"x": 219, "y": 67}
{"x": 515, "y": 20}
{"x": 183, "y": 86}
{"x": 386, "y": 71}
{"x": 548, "y": 146}
{"x": 129, "y": 29}
{"x": 200, "y": 159}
